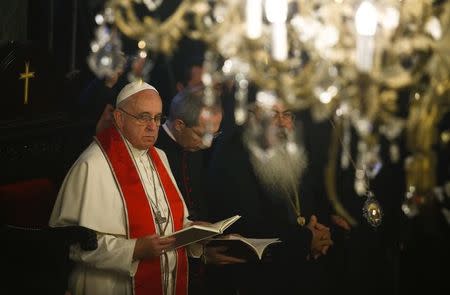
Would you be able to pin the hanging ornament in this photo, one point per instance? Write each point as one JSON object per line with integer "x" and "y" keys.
{"x": 346, "y": 141}
{"x": 141, "y": 64}
{"x": 412, "y": 203}
{"x": 241, "y": 97}
{"x": 106, "y": 58}
{"x": 394, "y": 152}
{"x": 360, "y": 182}
{"x": 392, "y": 131}
{"x": 301, "y": 220}
{"x": 152, "y": 5}
{"x": 372, "y": 210}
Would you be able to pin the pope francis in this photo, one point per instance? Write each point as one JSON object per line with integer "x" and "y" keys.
{"x": 122, "y": 187}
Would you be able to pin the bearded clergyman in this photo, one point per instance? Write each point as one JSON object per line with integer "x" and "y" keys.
{"x": 256, "y": 173}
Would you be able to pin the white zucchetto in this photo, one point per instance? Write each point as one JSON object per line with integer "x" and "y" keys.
{"x": 133, "y": 88}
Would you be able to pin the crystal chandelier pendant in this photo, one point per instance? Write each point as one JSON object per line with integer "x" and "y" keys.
{"x": 372, "y": 210}
{"x": 326, "y": 85}
{"x": 360, "y": 184}
{"x": 346, "y": 141}
{"x": 141, "y": 65}
{"x": 412, "y": 202}
{"x": 394, "y": 152}
{"x": 106, "y": 57}
{"x": 152, "y": 5}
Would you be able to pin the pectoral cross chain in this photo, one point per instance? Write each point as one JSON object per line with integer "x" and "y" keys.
{"x": 159, "y": 218}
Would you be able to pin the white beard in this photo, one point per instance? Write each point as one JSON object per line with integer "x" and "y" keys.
{"x": 278, "y": 170}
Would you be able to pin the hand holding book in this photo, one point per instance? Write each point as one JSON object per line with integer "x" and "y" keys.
{"x": 199, "y": 231}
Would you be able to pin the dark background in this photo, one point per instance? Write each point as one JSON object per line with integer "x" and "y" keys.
{"x": 47, "y": 134}
{"x": 43, "y": 138}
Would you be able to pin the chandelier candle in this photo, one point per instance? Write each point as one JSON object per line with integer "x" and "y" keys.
{"x": 366, "y": 19}
{"x": 276, "y": 13}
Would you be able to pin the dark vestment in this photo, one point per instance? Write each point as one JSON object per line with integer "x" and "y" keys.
{"x": 314, "y": 199}
{"x": 235, "y": 189}
{"x": 366, "y": 258}
{"x": 189, "y": 173}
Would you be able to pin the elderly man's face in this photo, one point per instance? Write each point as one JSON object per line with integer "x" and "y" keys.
{"x": 278, "y": 168}
{"x": 142, "y": 134}
{"x": 282, "y": 117}
{"x": 191, "y": 138}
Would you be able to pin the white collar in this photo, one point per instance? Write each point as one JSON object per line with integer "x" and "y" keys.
{"x": 166, "y": 128}
{"x": 137, "y": 153}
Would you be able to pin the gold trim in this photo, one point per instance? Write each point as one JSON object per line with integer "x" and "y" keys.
{"x": 166, "y": 34}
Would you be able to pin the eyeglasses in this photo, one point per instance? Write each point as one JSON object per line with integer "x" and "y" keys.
{"x": 201, "y": 135}
{"x": 144, "y": 119}
{"x": 286, "y": 115}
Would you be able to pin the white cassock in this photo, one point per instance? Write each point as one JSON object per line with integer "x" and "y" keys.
{"x": 89, "y": 197}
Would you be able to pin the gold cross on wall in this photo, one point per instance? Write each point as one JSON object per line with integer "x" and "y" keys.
{"x": 27, "y": 75}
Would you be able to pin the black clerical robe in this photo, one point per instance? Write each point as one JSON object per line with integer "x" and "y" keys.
{"x": 233, "y": 189}
{"x": 188, "y": 168}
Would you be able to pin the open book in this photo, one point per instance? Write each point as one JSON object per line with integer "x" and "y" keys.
{"x": 241, "y": 247}
{"x": 196, "y": 233}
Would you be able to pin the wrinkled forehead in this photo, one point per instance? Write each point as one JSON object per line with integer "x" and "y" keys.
{"x": 279, "y": 107}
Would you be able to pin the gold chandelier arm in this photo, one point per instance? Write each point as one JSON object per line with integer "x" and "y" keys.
{"x": 421, "y": 136}
{"x": 164, "y": 36}
{"x": 330, "y": 177}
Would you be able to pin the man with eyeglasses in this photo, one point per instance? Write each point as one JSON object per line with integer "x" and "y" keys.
{"x": 256, "y": 173}
{"x": 186, "y": 138}
{"x": 188, "y": 131}
{"x": 122, "y": 187}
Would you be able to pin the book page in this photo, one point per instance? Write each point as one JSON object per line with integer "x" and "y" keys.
{"x": 259, "y": 245}
{"x": 192, "y": 234}
{"x": 196, "y": 233}
{"x": 222, "y": 225}
{"x": 242, "y": 247}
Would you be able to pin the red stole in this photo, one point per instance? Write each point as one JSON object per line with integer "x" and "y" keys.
{"x": 140, "y": 221}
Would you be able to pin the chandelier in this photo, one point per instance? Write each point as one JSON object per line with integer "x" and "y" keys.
{"x": 348, "y": 61}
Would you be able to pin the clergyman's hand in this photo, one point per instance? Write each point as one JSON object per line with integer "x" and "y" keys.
{"x": 321, "y": 237}
{"x": 326, "y": 235}
{"x": 341, "y": 222}
{"x": 152, "y": 246}
{"x": 215, "y": 255}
